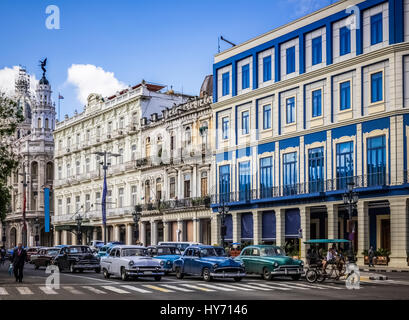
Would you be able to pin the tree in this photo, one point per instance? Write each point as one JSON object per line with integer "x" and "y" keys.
{"x": 11, "y": 115}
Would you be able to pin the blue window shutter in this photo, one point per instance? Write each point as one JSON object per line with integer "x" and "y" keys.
{"x": 345, "y": 95}
{"x": 290, "y": 57}
{"x": 226, "y": 83}
{"x": 245, "y": 76}
{"x": 344, "y": 41}
{"x": 316, "y": 50}
{"x": 376, "y": 29}
{"x": 316, "y": 103}
{"x": 267, "y": 68}
{"x": 376, "y": 87}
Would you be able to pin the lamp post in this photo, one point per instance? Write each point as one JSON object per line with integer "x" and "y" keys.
{"x": 25, "y": 184}
{"x": 105, "y": 166}
{"x": 79, "y": 233}
{"x": 136, "y": 215}
{"x": 223, "y": 210}
{"x": 36, "y": 226}
{"x": 350, "y": 198}
{"x": 4, "y": 234}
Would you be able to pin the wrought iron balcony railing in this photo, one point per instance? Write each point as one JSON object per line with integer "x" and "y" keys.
{"x": 312, "y": 187}
{"x": 177, "y": 204}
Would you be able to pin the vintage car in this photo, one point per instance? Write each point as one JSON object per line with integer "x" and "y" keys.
{"x": 269, "y": 261}
{"x": 127, "y": 261}
{"x": 179, "y": 244}
{"x": 104, "y": 250}
{"x": 203, "y": 261}
{"x": 43, "y": 257}
{"x": 32, "y": 251}
{"x": 167, "y": 253}
{"x": 76, "y": 257}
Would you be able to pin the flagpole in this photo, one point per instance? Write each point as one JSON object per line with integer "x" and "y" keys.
{"x": 59, "y": 106}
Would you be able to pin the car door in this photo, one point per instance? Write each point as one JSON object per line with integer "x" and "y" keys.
{"x": 257, "y": 262}
{"x": 195, "y": 263}
{"x": 246, "y": 259}
{"x": 116, "y": 261}
{"x": 187, "y": 261}
{"x": 63, "y": 259}
{"x": 109, "y": 260}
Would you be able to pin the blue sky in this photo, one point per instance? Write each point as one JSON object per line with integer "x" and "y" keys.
{"x": 104, "y": 45}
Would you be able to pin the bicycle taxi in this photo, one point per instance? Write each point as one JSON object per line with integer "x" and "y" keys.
{"x": 319, "y": 268}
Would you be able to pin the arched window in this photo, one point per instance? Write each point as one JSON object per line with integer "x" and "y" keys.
{"x": 39, "y": 123}
{"x": 188, "y": 136}
{"x": 50, "y": 171}
{"x": 203, "y": 183}
{"x": 158, "y": 189}
{"x": 147, "y": 191}
{"x": 46, "y": 123}
{"x": 34, "y": 171}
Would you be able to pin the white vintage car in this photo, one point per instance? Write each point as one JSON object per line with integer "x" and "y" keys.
{"x": 131, "y": 261}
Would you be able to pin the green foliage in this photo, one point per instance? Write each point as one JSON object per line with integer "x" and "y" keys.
{"x": 10, "y": 117}
{"x": 381, "y": 252}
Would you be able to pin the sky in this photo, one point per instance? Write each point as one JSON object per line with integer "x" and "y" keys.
{"x": 103, "y": 46}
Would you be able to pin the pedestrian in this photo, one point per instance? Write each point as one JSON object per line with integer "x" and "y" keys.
{"x": 18, "y": 260}
{"x": 3, "y": 253}
{"x": 371, "y": 255}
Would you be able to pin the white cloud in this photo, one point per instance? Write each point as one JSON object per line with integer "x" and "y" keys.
{"x": 87, "y": 78}
{"x": 304, "y": 7}
{"x": 8, "y": 77}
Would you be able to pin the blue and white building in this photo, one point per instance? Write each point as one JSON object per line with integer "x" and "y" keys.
{"x": 307, "y": 107}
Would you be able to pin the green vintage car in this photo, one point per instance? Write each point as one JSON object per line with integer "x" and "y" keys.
{"x": 269, "y": 261}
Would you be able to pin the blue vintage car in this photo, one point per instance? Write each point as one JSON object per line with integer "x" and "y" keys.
{"x": 203, "y": 261}
{"x": 104, "y": 250}
{"x": 168, "y": 254}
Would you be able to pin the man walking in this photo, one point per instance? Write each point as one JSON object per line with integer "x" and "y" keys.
{"x": 18, "y": 260}
{"x": 371, "y": 255}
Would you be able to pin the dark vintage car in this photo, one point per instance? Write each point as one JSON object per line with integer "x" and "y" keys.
{"x": 43, "y": 257}
{"x": 32, "y": 251}
{"x": 204, "y": 261}
{"x": 75, "y": 258}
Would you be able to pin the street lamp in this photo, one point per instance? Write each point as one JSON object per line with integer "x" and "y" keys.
{"x": 79, "y": 233}
{"x": 136, "y": 215}
{"x": 105, "y": 165}
{"x": 223, "y": 210}
{"x": 350, "y": 198}
{"x": 36, "y": 225}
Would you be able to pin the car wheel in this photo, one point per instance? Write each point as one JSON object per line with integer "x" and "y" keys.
{"x": 237, "y": 279}
{"x": 157, "y": 278}
{"x": 296, "y": 277}
{"x": 72, "y": 269}
{"x": 80, "y": 270}
{"x": 124, "y": 276}
{"x": 267, "y": 274}
{"x": 179, "y": 273}
{"x": 98, "y": 270}
{"x": 206, "y": 275}
{"x": 106, "y": 274}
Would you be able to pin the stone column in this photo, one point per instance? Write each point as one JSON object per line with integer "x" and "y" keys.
{"x": 94, "y": 234}
{"x": 74, "y": 238}
{"x": 363, "y": 230}
{"x": 332, "y": 212}
{"x": 399, "y": 232}
{"x": 56, "y": 237}
{"x": 257, "y": 227}
{"x": 165, "y": 231}
{"x": 180, "y": 228}
{"x": 129, "y": 234}
{"x": 305, "y": 216}
{"x": 196, "y": 230}
{"x": 64, "y": 239}
{"x": 236, "y": 216}
{"x": 142, "y": 233}
{"x": 280, "y": 226}
{"x": 84, "y": 238}
{"x": 195, "y": 185}
{"x": 215, "y": 229}
{"x": 103, "y": 233}
{"x": 154, "y": 232}
{"x": 116, "y": 232}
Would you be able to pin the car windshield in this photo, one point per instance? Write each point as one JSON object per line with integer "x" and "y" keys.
{"x": 133, "y": 252}
{"x": 208, "y": 252}
{"x": 53, "y": 252}
{"x": 160, "y": 251}
{"x": 80, "y": 250}
{"x": 220, "y": 252}
{"x": 271, "y": 252}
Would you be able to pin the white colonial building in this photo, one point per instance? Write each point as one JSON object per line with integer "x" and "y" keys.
{"x": 111, "y": 124}
{"x": 34, "y": 146}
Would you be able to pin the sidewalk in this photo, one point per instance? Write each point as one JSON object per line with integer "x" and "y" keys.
{"x": 382, "y": 269}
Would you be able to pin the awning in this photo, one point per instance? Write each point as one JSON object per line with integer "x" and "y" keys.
{"x": 268, "y": 226}
{"x": 247, "y": 226}
{"x": 229, "y": 226}
{"x": 292, "y": 223}
{"x": 326, "y": 241}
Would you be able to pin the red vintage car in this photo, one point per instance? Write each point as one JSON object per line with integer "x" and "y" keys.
{"x": 43, "y": 257}
{"x": 32, "y": 251}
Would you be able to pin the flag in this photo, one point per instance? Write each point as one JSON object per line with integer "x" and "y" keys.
{"x": 60, "y": 96}
{"x": 104, "y": 196}
{"x": 47, "y": 209}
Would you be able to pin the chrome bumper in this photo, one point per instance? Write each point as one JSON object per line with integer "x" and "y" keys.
{"x": 86, "y": 266}
{"x": 144, "y": 273}
{"x": 288, "y": 272}
{"x": 227, "y": 274}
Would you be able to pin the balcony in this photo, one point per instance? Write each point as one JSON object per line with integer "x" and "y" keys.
{"x": 177, "y": 204}
{"x": 316, "y": 189}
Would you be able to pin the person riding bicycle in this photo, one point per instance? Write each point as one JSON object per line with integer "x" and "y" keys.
{"x": 329, "y": 259}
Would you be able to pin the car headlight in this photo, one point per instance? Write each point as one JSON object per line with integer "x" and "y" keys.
{"x": 131, "y": 263}
{"x": 275, "y": 264}
{"x": 162, "y": 263}
{"x": 215, "y": 266}
{"x": 301, "y": 263}
{"x": 168, "y": 262}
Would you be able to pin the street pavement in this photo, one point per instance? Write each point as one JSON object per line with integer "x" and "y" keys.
{"x": 92, "y": 286}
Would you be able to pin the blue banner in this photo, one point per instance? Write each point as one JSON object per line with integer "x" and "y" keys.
{"x": 46, "y": 209}
{"x": 104, "y": 197}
